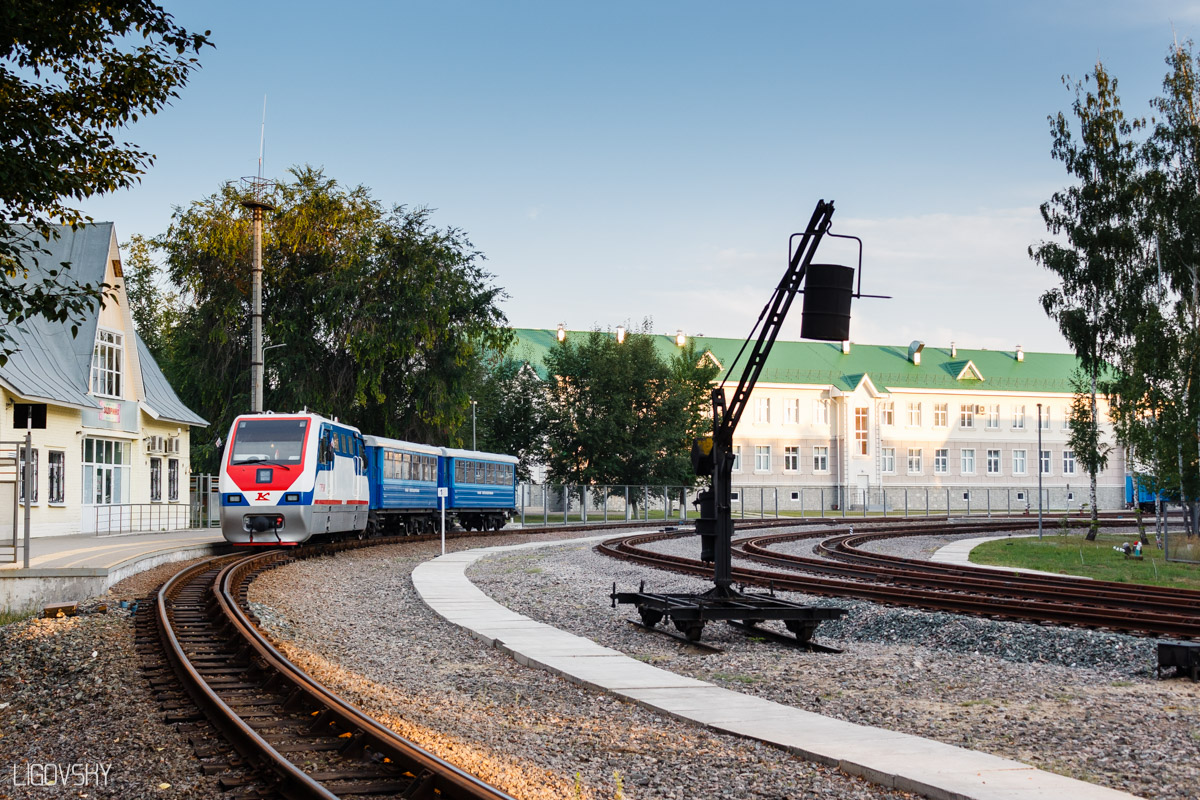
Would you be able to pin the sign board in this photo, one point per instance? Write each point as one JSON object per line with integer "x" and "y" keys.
{"x": 443, "y": 491}
{"x": 110, "y": 412}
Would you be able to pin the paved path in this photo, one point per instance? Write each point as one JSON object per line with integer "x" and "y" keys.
{"x": 908, "y": 763}
{"x": 74, "y": 568}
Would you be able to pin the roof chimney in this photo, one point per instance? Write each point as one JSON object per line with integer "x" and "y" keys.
{"x": 845, "y": 347}
{"x": 953, "y": 351}
{"x": 914, "y": 351}
{"x": 1020, "y": 353}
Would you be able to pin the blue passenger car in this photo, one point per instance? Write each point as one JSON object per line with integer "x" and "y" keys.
{"x": 482, "y": 487}
{"x": 404, "y": 480}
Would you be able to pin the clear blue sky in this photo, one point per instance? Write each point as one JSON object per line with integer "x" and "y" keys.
{"x": 622, "y": 160}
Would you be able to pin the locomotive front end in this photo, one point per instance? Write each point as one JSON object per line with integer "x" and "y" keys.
{"x": 266, "y": 484}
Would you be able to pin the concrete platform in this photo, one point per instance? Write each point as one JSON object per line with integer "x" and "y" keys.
{"x": 959, "y": 554}
{"x": 66, "y": 568}
{"x": 898, "y": 760}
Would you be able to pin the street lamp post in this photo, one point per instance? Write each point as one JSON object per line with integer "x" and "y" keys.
{"x": 1039, "y": 469}
{"x": 473, "y": 404}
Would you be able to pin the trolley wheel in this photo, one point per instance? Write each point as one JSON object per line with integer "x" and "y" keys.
{"x": 650, "y": 617}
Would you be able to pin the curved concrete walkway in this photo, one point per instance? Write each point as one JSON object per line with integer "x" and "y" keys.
{"x": 908, "y": 763}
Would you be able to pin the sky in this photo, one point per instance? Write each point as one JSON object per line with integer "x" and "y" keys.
{"x": 620, "y": 161}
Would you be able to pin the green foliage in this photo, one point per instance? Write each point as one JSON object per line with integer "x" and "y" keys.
{"x": 621, "y": 413}
{"x": 72, "y": 73}
{"x": 382, "y": 314}
{"x": 154, "y": 307}
{"x": 509, "y": 411}
{"x": 1099, "y": 267}
{"x": 1075, "y": 555}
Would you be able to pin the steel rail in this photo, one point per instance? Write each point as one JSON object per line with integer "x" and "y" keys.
{"x": 1127, "y": 620}
{"x": 446, "y": 780}
{"x": 225, "y": 580}
{"x": 843, "y": 559}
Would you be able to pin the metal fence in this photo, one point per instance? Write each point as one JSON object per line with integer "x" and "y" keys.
{"x": 204, "y": 501}
{"x": 553, "y": 504}
{"x": 139, "y": 518}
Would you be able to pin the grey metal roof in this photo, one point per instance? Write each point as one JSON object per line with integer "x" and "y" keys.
{"x": 49, "y": 364}
{"x": 161, "y": 402}
{"x": 52, "y": 366}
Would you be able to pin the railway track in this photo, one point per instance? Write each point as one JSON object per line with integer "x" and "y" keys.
{"x": 297, "y": 739}
{"x": 847, "y": 571}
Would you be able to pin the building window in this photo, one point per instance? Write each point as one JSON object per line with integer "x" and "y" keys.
{"x": 156, "y": 480}
{"x": 820, "y": 412}
{"x": 1046, "y": 418}
{"x": 887, "y": 459}
{"x": 762, "y": 458}
{"x": 914, "y": 414}
{"x": 1045, "y": 461}
{"x": 1019, "y": 462}
{"x": 106, "y": 471}
{"x": 21, "y": 476}
{"x": 791, "y": 459}
{"x": 762, "y": 410}
{"x": 941, "y": 415}
{"x": 795, "y": 496}
{"x": 914, "y": 461}
{"x": 173, "y": 480}
{"x": 861, "y": 417}
{"x": 56, "y": 461}
{"x": 1068, "y": 462}
{"x": 1018, "y": 418}
{"x": 993, "y": 417}
{"x": 967, "y": 460}
{"x": 735, "y": 497}
{"x": 966, "y": 416}
{"x": 820, "y": 459}
{"x": 106, "y": 364}
{"x": 1020, "y": 496}
{"x": 887, "y": 413}
{"x": 737, "y": 458}
{"x": 941, "y": 461}
{"x": 791, "y": 411}
{"x": 993, "y": 462}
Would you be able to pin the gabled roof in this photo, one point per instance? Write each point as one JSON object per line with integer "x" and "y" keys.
{"x": 160, "y": 401}
{"x": 887, "y": 366}
{"x": 51, "y": 366}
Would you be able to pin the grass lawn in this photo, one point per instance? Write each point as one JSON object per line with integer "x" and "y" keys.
{"x": 1074, "y": 555}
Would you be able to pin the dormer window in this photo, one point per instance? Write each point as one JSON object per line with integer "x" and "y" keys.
{"x": 107, "y": 361}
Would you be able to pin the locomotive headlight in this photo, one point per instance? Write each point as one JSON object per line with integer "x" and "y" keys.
{"x": 291, "y": 497}
{"x": 233, "y": 499}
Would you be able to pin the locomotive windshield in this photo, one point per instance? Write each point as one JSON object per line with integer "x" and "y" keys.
{"x": 277, "y": 440}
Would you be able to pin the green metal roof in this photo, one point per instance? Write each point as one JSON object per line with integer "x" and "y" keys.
{"x": 887, "y": 366}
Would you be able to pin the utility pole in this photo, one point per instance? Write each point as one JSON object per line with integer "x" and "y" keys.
{"x": 257, "y": 203}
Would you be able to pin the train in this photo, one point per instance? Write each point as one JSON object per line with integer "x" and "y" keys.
{"x": 286, "y": 478}
{"x": 1137, "y": 495}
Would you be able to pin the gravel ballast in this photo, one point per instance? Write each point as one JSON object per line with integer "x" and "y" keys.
{"x": 71, "y": 694}
{"x": 359, "y": 627}
{"x": 1080, "y": 703}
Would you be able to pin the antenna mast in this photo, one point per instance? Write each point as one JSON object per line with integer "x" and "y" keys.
{"x": 257, "y": 190}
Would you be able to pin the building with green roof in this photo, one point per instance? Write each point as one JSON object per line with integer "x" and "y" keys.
{"x": 847, "y": 425}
